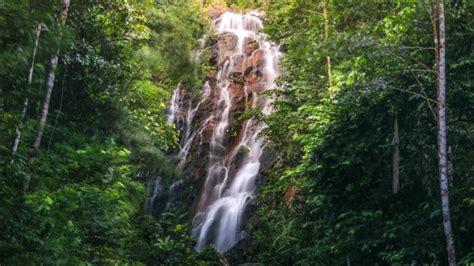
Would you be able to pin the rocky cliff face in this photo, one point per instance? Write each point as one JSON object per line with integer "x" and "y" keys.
{"x": 222, "y": 156}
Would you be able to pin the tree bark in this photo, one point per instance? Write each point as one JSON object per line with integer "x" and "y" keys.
{"x": 59, "y": 110}
{"x": 434, "y": 26}
{"x": 326, "y": 35}
{"x": 51, "y": 78}
{"x": 30, "y": 79}
{"x": 44, "y": 113}
{"x": 442, "y": 138}
{"x": 396, "y": 158}
{"x": 50, "y": 85}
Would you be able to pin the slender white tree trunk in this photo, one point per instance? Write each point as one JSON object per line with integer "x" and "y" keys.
{"x": 50, "y": 85}
{"x": 326, "y": 35}
{"x": 51, "y": 78}
{"x": 60, "y": 108}
{"x": 442, "y": 138}
{"x": 30, "y": 79}
{"x": 44, "y": 113}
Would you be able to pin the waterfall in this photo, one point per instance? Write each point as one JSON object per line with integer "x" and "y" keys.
{"x": 173, "y": 110}
{"x": 155, "y": 192}
{"x": 230, "y": 186}
{"x": 212, "y": 135}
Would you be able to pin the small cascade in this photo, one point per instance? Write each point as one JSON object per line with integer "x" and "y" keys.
{"x": 174, "y": 116}
{"x": 188, "y": 137}
{"x": 174, "y": 188}
{"x": 219, "y": 151}
{"x": 155, "y": 192}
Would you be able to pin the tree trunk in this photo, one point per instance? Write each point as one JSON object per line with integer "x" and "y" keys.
{"x": 326, "y": 35}
{"x": 44, "y": 113}
{"x": 434, "y": 26}
{"x": 396, "y": 158}
{"x": 25, "y": 103}
{"x": 50, "y": 85}
{"x": 442, "y": 138}
{"x": 51, "y": 78}
{"x": 59, "y": 110}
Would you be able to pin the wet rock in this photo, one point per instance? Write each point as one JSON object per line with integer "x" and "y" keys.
{"x": 257, "y": 59}
{"x": 241, "y": 153}
{"x": 237, "y": 78}
{"x": 238, "y": 106}
{"x": 237, "y": 69}
{"x": 254, "y": 81}
{"x": 214, "y": 58}
{"x": 250, "y": 45}
{"x": 254, "y": 78}
{"x": 227, "y": 45}
{"x": 236, "y": 90}
{"x": 207, "y": 133}
{"x": 211, "y": 76}
{"x": 283, "y": 47}
{"x": 268, "y": 159}
{"x": 238, "y": 64}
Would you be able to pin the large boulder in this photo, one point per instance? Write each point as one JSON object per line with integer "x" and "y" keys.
{"x": 227, "y": 45}
{"x": 256, "y": 60}
{"x": 237, "y": 69}
{"x": 236, "y": 90}
{"x": 254, "y": 81}
{"x": 250, "y": 45}
{"x": 268, "y": 159}
{"x": 254, "y": 71}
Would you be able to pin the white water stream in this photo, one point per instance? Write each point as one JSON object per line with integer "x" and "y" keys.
{"x": 232, "y": 170}
{"x": 225, "y": 198}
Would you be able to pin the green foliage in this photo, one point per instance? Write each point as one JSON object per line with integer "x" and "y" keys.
{"x": 329, "y": 199}
{"x": 145, "y": 104}
{"x": 119, "y": 63}
{"x": 176, "y": 31}
{"x": 242, "y": 5}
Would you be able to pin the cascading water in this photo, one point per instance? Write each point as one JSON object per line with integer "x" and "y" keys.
{"x": 231, "y": 185}
{"x": 212, "y": 132}
{"x": 155, "y": 191}
{"x": 173, "y": 110}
